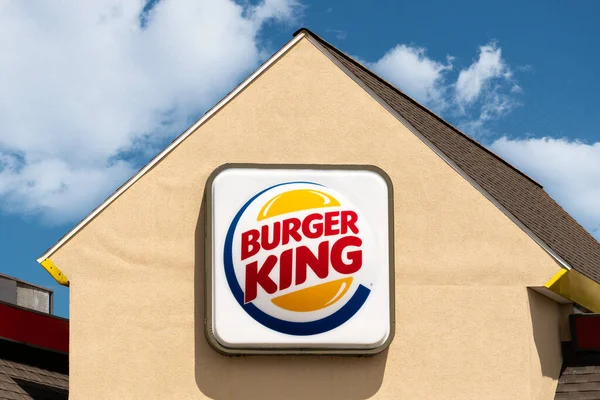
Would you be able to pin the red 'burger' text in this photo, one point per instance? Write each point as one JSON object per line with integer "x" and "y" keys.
{"x": 341, "y": 224}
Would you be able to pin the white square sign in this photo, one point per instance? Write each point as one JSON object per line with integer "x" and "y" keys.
{"x": 299, "y": 259}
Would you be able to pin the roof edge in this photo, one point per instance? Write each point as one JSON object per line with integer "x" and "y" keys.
{"x": 326, "y": 51}
{"x": 117, "y": 193}
{"x": 578, "y": 288}
{"x": 308, "y": 32}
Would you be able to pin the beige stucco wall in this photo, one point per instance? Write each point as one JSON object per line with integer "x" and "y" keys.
{"x": 464, "y": 323}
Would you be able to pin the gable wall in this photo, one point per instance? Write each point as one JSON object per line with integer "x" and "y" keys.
{"x": 463, "y": 312}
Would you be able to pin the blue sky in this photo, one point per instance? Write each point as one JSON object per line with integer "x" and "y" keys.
{"x": 94, "y": 95}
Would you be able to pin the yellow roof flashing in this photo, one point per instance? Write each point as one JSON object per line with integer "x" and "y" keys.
{"x": 576, "y": 287}
{"x": 55, "y": 272}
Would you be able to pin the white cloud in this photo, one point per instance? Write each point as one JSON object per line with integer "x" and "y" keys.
{"x": 413, "y": 72}
{"x": 479, "y": 93}
{"x": 485, "y": 91}
{"x": 339, "y": 34}
{"x": 569, "y": 171}
{"x": 82, "y": 85}
{"x": 282, "y": 10}
{"x": 473, "y": 80}
{"x": 497, "y": 103}
{"x": 62, "y": 191}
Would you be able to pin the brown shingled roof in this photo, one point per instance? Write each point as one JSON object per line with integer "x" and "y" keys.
{"x": 525, "y": 199}
{"x": 25, "y": 382}
{"x": 580, "y": 374}
{"x": 579, "y": 383}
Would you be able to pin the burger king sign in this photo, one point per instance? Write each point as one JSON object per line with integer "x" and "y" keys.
{"x": 299, "y": 259}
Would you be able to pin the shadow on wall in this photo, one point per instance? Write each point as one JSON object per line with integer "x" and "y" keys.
{"x": 545, "y": 315}
{"x": 275, "y": 377}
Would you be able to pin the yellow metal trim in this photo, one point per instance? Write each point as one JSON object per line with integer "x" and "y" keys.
{"x": 556, "y": 277}
{"x": 55, "y": 272}
{"x": 576, "y": 287}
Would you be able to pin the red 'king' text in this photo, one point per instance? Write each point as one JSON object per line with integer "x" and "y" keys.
{"x": 338, "y": 225}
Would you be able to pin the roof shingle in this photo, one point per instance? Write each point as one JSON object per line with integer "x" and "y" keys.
{"x": 580, "y": 375}
{"x": 524, "y": 198}
{"x": 21, "y": 381}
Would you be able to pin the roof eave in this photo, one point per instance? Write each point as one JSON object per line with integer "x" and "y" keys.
{"x": 45, "y": 258}
{"x": 383, "y": 103}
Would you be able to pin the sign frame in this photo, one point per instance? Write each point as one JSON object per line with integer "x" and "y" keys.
{"x": 208, "y": 267}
